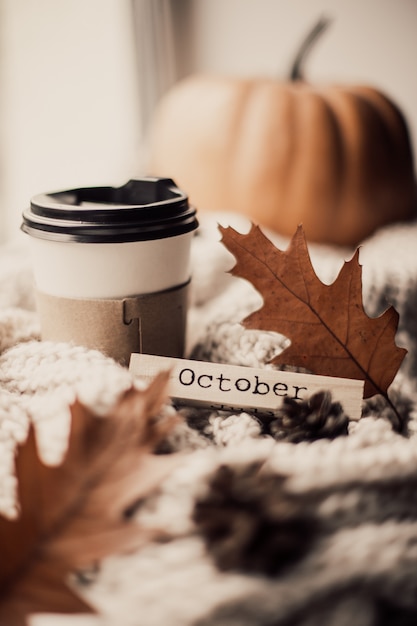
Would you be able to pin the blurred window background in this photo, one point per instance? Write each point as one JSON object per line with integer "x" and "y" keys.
{"x": 80, "y": 78}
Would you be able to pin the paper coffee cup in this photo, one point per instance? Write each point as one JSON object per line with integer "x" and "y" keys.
{"x": 112, "y": 266}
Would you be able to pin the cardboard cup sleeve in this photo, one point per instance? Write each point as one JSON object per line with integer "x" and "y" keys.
{"x": 151, "y": 323}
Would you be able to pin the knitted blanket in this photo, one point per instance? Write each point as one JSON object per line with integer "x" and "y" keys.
{"x": 308, "y": 527}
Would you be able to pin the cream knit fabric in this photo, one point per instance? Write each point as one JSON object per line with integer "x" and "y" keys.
{"x": 360, "y": 570}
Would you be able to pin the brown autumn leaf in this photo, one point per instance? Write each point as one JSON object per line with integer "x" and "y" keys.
{"x": 75, "y": 513}
{"x": 329, "y": 330}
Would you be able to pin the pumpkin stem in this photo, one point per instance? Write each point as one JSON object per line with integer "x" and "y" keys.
{"x": 296, "y": 72}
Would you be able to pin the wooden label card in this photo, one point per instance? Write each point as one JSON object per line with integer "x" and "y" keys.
{"x": 237, "y": 388}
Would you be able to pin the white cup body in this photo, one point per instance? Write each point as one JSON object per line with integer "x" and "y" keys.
{"x": 110, "y": 270}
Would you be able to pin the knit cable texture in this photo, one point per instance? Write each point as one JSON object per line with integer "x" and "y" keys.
{"x": 267, "y": 530}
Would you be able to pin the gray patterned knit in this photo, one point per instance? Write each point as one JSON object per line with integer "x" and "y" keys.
{"x": 266, "y": 532}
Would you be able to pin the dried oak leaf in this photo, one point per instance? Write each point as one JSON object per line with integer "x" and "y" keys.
{"x": 329, "y": 330}
{"x": 74, "y": 513}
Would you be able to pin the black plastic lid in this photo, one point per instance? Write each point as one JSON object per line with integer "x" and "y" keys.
{"x": 142, "y": 209}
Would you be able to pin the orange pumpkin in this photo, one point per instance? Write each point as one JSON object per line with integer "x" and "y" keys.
{"x": 337, "y": 159}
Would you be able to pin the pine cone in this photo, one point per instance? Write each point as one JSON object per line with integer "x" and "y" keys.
{"x": 250, "y": 523}
{"x": 315, "y": 418}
